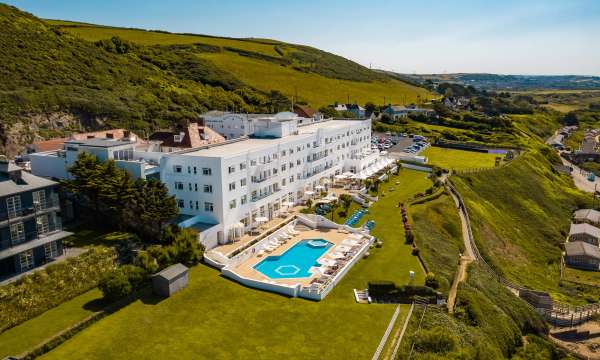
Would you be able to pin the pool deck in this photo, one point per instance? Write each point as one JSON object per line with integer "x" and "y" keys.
{"x": 246, "y": 268}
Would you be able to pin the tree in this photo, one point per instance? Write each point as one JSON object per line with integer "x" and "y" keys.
{"x": 570, "y": 119}
{"x": 345, "y": 200}
{"x": 115, "y": 285}
{"x": 329, "y": 112}
{"x": 150, "y": 208}
{"x": 370, "y": 108}
{"x": 386, "y": 118}
{"x": 86, "y": 182}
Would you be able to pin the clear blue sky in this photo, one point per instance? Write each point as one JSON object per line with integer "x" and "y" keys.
{"x": 423, "y": 36}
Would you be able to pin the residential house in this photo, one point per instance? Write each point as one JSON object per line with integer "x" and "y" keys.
{"x": 457, "y": 103}
{"x": 582, "y": 255}
{"x": 400, "y": 111}
{"x": 589, "y": 216}
{"x": 584, "y": 232}
{"x": 191, "y": 136}
{"x": 30, "y": 225}
{"x": 357, "y": 110}
{"x": 57, "y": 143}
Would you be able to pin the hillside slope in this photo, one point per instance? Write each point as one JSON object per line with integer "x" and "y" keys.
{"x": 520, "y": 216}
{"x": 314, "y": 76}
{"x": 60, "y": 76}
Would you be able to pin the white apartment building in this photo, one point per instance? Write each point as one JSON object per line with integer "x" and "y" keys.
{"x": 225, "y": 187}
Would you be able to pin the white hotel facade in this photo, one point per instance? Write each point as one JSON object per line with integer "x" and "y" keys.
{"x": 225, "y": 187}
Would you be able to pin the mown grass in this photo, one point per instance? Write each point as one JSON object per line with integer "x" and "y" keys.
{"x": 312, "y": 88}
{"x": 437, "y": 229}
{"x": 453, "y": 159}
{"x": 520, "y": 216}
{"x": 33, "y": 332}
{"x": 215, "y": 318}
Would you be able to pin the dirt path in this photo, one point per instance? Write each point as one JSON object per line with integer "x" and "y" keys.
{"x": 465, "y": 259}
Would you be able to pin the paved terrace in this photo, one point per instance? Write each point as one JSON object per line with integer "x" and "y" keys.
{"x": 336, "y": 237}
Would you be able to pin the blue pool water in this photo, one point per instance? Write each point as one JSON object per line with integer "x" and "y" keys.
{"x": 296, "y": 261}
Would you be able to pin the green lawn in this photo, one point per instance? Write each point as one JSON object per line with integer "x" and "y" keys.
{"x": 84, "y": 236}
{"x": 217, "y": 318}
{"x": 33, "y": 332}
{"x": 459, "y": 159}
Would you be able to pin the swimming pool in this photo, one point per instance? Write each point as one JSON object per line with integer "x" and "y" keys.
{"x": 296, "y": 261}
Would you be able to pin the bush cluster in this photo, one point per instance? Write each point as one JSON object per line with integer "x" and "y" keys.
{"x": 46, "y": 288}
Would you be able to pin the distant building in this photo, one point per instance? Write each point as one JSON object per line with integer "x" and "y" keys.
{"x": 57, "y": 143}
{"x": 305, "y": 111}
{"x": 357, "y": 110}
{"x": 457, "y": 103}
{"x": 589, "y": 216}
{"x": 30, "y": 225}
{"x": 399, "y": 111}
{"x": 340, "y": 107}
{"x": 582, "y": 255}
{"x": 584, "y": 232}
{"x": 192, "y": 136}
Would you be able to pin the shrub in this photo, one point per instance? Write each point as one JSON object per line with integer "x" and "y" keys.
{"x": 432, "y": 281}
{"x": 115, "y": 285}
{"x": 136, "y": 275}
{"x": 53, "y": 285}
{"x": 437, "y": 340}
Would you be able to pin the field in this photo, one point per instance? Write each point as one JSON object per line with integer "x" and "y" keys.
{"x": 33, "y": 332}
{"x": 219, "y": 319}
{"x": 312, "y": 88}
{"x": 582, "y": 276}
{"x": 94, "y": 33}
{"x": 459, "y": 159}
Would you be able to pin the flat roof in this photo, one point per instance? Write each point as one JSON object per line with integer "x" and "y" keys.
{"x": 30, "y": 182}
{"x": 106, "y": 143}
{"x": 243, "y": 146}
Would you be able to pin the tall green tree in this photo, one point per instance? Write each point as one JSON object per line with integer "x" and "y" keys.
{"x": 151, "y": 208}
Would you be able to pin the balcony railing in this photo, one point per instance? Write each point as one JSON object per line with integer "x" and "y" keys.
{"x": 49, "y": 204}
{"x": 30, "y": 236}
{"x": 264, "y": 195}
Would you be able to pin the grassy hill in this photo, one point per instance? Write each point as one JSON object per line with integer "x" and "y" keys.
{"x": 60, "y": 76}
{"x": 520, "y": 216}
{"x": 316, "y": 77}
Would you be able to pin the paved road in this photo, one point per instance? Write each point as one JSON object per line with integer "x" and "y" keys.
{"x": 580, "y": 178}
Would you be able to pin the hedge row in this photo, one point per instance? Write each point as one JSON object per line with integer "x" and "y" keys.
{"x": 46, "y": 288}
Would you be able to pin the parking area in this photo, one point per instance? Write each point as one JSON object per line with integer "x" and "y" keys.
{"x": 399, "y": 143}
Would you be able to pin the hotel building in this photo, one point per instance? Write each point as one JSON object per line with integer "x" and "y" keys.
{"x": 224, "y": 188}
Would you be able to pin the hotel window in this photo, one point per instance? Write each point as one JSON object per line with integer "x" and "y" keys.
{"x": 39, "y": 199}
{"x": 283, "y": 153}
{"x": 252, "y": 162}
{"x": 189, "y": 169}
{"x": 177, "y": 168}
{"x": 196, "y": 205}
{"x": 191, "y": 204}
{"x": 208, "y": 206}
{"x": 243, "y": 182}
{"x": 292, "y": 178}
{"x": 195, "y": 187}
{"x": 231, "y": 169}
{"x": 195, "y": 170}
{"x": 283, "y": 182}
{"x": 208, "y": 188}
{"x": 17, "y": 233}
{"x": 283, "y": 167}
{"x": 26, "y": 260}
{"x": 231, "y": 186}
{"x": 190, "y": 186}
{"x": 244, "y": 200}
{"x": 242, "y": 166}
{"x": 206, "y": 171}
{"x": 51, "y": 250}
{"x": 180, "y": 203}
{"x": 232, "y": 204}
{"x": 13, "y": 206}
{"x": 42, "y": 225}
{"x": 178, "y": 185}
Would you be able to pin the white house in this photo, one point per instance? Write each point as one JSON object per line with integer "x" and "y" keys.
{"x": 224, "y": 188}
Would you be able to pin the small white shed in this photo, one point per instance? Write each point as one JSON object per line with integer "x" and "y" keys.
{"x": 170, "y": 280}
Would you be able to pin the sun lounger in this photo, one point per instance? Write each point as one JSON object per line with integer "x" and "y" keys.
{"x": 291, "y": 230}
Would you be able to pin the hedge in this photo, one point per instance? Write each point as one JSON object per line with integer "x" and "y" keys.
{"x": 46, "y": 288}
